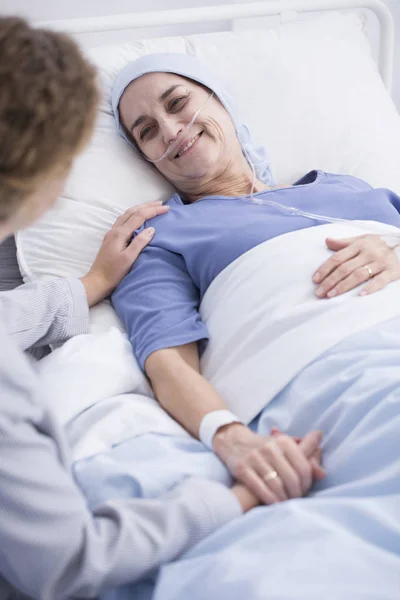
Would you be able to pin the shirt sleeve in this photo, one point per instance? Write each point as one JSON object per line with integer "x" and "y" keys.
{"x": 158, "y": 303}
{"x": 45, "y": 312}
{"x": 53, "y": 548}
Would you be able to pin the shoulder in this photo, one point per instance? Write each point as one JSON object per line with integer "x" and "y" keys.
{"x": 349, "y": 182}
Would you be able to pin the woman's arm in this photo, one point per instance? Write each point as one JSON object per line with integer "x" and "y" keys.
{"x": 53, "y": 548}
{"x": 51, "y": 311}
{"x": 45, "y": 312}
{"x": 188, "y": 397}
{"x": 181, "y": 390}
{"x": 158, "y": 303}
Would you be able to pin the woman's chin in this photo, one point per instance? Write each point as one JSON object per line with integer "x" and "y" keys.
{"x": 199, "y": 168}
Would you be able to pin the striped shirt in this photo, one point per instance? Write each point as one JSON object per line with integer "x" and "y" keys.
{"x": 52, "y": 547}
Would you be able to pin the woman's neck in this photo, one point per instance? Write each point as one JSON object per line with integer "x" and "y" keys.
{"x": 224, "y": 186}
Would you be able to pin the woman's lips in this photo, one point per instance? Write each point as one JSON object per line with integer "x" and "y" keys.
{"x": 188, "y": 145}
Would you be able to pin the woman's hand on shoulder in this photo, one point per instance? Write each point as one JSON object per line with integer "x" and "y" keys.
{"x": 357, "y": 260}
{"x": 118, "y": 251}
{"x": 272, "y": 468}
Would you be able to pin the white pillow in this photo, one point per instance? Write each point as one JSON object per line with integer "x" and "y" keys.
{"x": 311, "y": 93}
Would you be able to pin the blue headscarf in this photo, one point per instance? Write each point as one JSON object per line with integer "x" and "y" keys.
{"x": 189, "y": 66}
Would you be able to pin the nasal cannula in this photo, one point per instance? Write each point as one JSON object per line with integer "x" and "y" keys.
{"x": 291, "y": 210}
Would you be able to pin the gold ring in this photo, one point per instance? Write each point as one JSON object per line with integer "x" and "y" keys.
{"x": 368, "y": 268}
{"x": 270, "y": 475}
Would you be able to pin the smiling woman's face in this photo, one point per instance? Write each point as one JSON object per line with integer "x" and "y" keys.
{"x": 156, "y": 107}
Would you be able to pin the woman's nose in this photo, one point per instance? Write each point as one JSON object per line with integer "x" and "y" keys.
{"x": 170, "y": 130}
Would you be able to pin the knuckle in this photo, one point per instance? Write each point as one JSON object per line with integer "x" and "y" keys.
{"x": 110, "y": 235}
{"x": 305, "y": 473}
{"x": 271, "y": 449}
{"x": 359, "y": 274}
{"x": 283, "y": 443}
{"x": 327, "y": 284}
{"x": 253, "y": 455}
{"x": 343, "y": 287}
{"x": 138, "y": 243}
{"x": 344, "y": 270}
{"x": 336, "y": 259}
{"x": 241, "y": 469}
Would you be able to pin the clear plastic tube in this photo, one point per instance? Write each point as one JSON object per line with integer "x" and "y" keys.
{"x": 291, "y": 210}
{"x": 174, "y": 146}
{"x": 391, "y": 238}
{"x": 253, "y": 170}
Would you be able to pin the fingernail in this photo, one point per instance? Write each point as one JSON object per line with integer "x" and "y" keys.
{"x": 332, "y": 293}
{"x": 319, "y": 292}
{"x": 150, "y": 231}
{"x": 363, "y": 293}
{"x": 317, "y": 277}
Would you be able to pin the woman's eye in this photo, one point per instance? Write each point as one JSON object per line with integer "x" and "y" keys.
{"x": 177, "y": 103}
{"x": 145, "y": 131}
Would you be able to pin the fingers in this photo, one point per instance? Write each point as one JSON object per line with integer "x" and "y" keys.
{"x": 289, "y": 476}
{"x": 358, "y": 274}
{"x": 301, "y": 466}
{"x": 346, "y": 269}
{"x": 380, "y": 281}
{"x": 335, "y": 261}
{"x": 310, "y": 443}
{"x": 134, "y": 217}
{"x": 255, "y": 484}
{"x": 339, "y": 244}
{"x": 139, "y": 243}
{"x": 294, "y": 470}
{"x": 317, "y": 471}
{"x": 275, "y": 485}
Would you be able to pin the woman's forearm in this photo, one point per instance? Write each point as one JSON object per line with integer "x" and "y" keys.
{"x": 45, "y": 312}
{"x": 180, "y": 388}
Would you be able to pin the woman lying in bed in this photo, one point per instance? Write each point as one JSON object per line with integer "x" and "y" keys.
{"x": 213, "y": 220}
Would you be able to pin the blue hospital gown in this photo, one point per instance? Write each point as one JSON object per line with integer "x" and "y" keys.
{"x": 158, "y": 300}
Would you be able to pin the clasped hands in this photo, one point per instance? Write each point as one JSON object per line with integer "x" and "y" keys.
{"x": 272, "y": 468}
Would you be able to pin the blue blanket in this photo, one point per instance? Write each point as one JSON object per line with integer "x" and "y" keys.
{"x": 342, "y": 542}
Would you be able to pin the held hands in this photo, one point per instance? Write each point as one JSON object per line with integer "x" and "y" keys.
{"x": 118, "y": 253}
{"x": 273, "y": 468}
{"x": 357, "y": 260}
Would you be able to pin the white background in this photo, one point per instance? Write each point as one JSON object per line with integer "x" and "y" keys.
{"x": 41, "y": 10}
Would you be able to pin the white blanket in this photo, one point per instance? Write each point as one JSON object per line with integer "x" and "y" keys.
{"x": 265, "y": 325}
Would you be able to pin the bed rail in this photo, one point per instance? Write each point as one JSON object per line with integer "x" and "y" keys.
{"x": 232, "y": 12}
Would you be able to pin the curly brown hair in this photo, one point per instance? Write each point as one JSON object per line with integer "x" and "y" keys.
{"x": 48, "y": 105}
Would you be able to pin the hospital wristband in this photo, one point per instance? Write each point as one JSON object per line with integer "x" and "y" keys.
{"x": 212, "y": 421}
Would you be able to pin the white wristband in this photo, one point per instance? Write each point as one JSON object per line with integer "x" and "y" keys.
{"x": 212, "y": 421}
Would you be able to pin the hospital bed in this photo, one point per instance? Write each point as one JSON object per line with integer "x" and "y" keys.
{"x": 308, "y": 88}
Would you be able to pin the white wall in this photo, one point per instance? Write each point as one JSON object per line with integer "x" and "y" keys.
{"x": 41, "y": 10}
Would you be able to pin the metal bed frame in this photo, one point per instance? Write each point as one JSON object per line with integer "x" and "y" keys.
{"x": 232, "y": 12}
